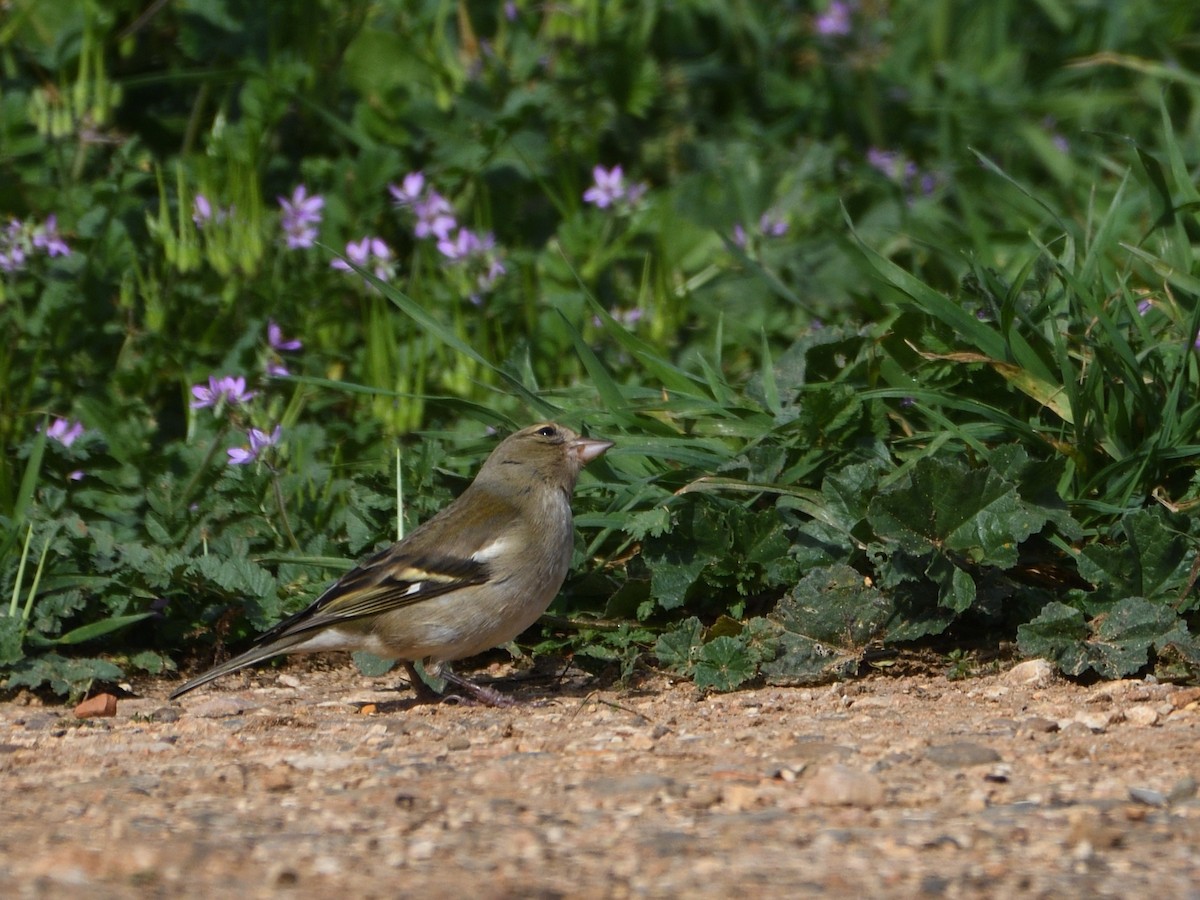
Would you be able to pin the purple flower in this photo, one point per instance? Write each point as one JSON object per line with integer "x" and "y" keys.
{"x": 835, "y": 20}
{"x": 14, "y": 247}
{"x": 46, "y": 238}
{"x": 434, "y": 216}
{"x": 366, "y": 251}
{"x": 477, "y": 253}
{"x": 301, "y": 215}
{"x": 277, "y": 341}
{"x": 771, "y": 226}
{"x": 229, "y": 389}
{"x": 903, "y": 171}
{"x": 883, "y": 160}
{"x": 626, "y": 317}
{"x": 202, "y": 210}
{"x": 487, "y": 279}
{"x": 65, "y": 431}
{"x": 608, "y": 187}
{"x": 259, "y": 441}
{"x": 410, "y": 189}
{"x": 461, "y": 246}
{"x": 276, "y": 369}
{"x": 1144, "y": 307}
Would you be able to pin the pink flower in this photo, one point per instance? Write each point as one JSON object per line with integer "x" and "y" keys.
{"x": 228, "y": 389}
{"x": 259, "y": 441}
{"x": 608, "y": 187}
{"x": 65, "y": 431}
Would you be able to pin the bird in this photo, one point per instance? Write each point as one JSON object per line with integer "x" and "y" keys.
{"x": 474, "y": 576}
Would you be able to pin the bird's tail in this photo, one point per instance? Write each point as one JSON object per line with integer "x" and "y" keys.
{"x": 249, "y": 658}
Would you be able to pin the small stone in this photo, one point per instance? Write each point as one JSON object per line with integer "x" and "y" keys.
{"x": 1183, "y": 789}
{"x": 1142, "y": 716}
{"x": 813, "y": 750}
{"x": 278, "y": 779}
{"x": 1039, "y": 725}
{"x": 1147, "y": 797}
{"x": 1030, "y": 673}
{"x": 100, "y": 706}
{"x": 165, "y": 714}
{"x": 1185, "y": 698}
{"x": 458, "y": 743}
{"x": 1098, "y": 723}
{"x": 221, "y": 707}
{"x": 368, "y": 709}
{"x": 838, "y": 785}
{"x": 999, "y": 774}
{"x": 961, "y": 754}
{"x": 41, "y": 722}
{"x": 288, "y": 681}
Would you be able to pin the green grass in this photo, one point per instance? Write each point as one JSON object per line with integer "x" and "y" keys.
{"x": 901, "y": 330}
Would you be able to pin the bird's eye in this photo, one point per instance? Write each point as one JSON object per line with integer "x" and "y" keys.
{"x": 548, "y": 431}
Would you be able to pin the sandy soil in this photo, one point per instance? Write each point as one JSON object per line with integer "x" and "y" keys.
{"x": 318, "y": 781}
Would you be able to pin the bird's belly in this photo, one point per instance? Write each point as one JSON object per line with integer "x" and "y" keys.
{"x": 446, "y": 628}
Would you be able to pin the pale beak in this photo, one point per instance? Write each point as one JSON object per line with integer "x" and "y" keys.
{"x": 586, "y": 449}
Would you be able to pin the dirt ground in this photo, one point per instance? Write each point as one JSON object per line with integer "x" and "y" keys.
{"x": 314, "y": 781}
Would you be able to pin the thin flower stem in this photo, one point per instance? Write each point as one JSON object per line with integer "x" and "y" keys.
{"x": 208, "y": 458}
{"x": 287, "y": 526}
{"x": 37, "y": 576}
{"x": 12, "y": 607}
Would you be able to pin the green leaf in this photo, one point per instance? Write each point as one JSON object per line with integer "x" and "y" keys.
{"x": 11, "y": 640}
{"x": 1151, "y": 558}
{"x": 1059, "y": 634}
{"x": 834, "y": 605}
{"x": 65, "y": 676}
{"x": 151, "y": 662}
{"x": 98, "y": 629}
{"x": 1114, "y": 644}
{"x": 724, "y": 664}
{"x": 801, "y": 660}
{"x": 945, "y": 505}
{"x": 676, "y": 560}
{"x": 371, "y": 665}
{"x": 679, "y": 649}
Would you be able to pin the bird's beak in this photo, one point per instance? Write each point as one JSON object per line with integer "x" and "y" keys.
{"x": 586, "y": 449}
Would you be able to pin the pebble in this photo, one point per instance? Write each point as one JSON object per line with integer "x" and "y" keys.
{"x": 41, "y": 722}
{"x": 838, "y": 785}
{"x": 1098, "y": 722}
{"x": 458, "y": 742}
{"x": 1147, "y": 797}
{"x": 221, "y": 707}
{"x": 811, "y": 751}
{"x": 1183, "y": 789}
{"x": 1039, "y": 725}
{"x": 1031, "y": 673}
{"x": 1142, "y": 716}
{"x": 963, "y": 753}
{"x": 1185, "y": 698}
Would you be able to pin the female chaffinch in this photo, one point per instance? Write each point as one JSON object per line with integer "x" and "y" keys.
{"x": 474, "y": 576}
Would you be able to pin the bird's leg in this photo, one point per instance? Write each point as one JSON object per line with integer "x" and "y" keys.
{"x": 477, "y": 692}
{"x": 424, "y": 692}
{"x": 483, "y": 694}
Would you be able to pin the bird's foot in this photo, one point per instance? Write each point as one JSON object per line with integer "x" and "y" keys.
{"x": 472, "y": 691}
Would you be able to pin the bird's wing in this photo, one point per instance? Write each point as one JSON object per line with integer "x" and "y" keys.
{"x": 430, "y": 562}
